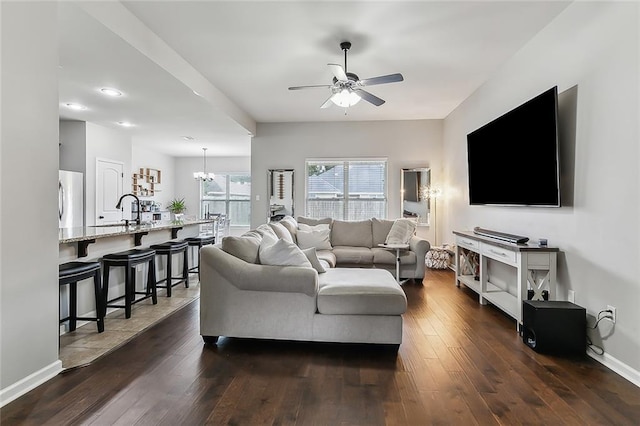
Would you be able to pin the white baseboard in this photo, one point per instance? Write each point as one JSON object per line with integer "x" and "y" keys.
{"x": 30, "y": 382}
{"x": 618, "y": 366}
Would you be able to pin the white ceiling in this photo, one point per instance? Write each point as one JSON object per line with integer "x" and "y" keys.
{"x": 242, "y": 56}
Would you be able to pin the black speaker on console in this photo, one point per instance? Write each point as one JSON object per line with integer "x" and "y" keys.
{"x": 554, "y": 327}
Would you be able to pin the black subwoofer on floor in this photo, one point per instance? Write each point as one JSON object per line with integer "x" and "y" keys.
{"x": 554, "y": 327}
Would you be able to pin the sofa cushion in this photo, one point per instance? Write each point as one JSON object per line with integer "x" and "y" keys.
{"x": 245, "y": 247}
{"x": 383, "y": 256}
{"x": 281, "y": 231}
{"x": 353, "y": 291}
{"x": 352, "y": 233}
{"x": 312, "y": 222}
{"x": 381, "y": 228}
{"x": 312, "y": 257}
{"x": 353, "y": 255}
{"x": 314, "y": 236}
{"x": 283, "y": 253}
{"x": 401, "y": 231}
{"x": 328, "y": 257}
{"x": 265, "y": 229}
{"x": 292, "y": 226}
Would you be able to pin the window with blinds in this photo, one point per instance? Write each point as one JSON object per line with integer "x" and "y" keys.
{"x": 346, "y": 189}
{"x": 229, "y": 194}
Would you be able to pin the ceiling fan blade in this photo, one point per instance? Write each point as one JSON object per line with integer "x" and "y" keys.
{"x": 309, "y": 87}
{"x": 328, "y": 102}
{"x": 369, "y": 97}
{"x": 391, "y": 78}
{"x": 338, "y": 71}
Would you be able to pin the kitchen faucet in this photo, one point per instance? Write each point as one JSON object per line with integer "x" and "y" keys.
{"x": 119, "y": 205}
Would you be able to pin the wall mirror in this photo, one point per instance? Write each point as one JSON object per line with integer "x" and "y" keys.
{"x": 414, "y": 185}
{"x": 280, "y": 182}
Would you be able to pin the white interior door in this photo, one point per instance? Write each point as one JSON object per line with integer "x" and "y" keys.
{"x": 109, "y": 177}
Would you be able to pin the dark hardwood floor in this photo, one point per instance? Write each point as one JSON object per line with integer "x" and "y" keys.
{"x": 460, "y": 363}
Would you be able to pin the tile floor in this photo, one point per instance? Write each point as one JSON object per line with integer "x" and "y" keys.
{"x": 85, "y": 344}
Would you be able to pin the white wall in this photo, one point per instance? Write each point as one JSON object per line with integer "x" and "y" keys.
{"x": 186, "y": 186}
{"x": 406, "y": 144}
{"x": 145, "y": 158}
{"x": 111, "y": 144}
{"x": 591, "y": 53}
{"x": 28, "y": 197}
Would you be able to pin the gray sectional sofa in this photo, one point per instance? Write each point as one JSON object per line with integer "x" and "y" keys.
{"x": 355, "y": 244}
{"x": 240, "y": 297}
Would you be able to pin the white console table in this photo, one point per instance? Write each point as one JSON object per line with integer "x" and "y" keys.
{"x": 530, "y": 267}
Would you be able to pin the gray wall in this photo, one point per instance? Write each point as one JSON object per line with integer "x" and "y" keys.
{"x": 406, "y": 144}
{"x": 591, "y": 53}
{"x": 28, "y": 197}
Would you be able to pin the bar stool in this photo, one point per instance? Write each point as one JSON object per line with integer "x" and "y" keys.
{"x": 129, "y": 260}
{"x": 199, "y": 241}
{"x": 169, "y": 249}
{"x": 72, "y": 272}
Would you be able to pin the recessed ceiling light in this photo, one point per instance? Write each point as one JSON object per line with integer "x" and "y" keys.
{"x": 125, "y": 124}
{"x": 111, "y": 92}
{"x": 76, "y": 107}
{"x": 188, "y": 138}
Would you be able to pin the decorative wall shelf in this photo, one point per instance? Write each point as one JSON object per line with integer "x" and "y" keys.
{"x": 143, "y": 183}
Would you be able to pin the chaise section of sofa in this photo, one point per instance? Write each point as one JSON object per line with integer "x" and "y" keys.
{"x": 243, "y": 299}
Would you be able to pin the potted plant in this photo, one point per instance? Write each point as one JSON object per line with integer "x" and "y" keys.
{"x": 177, "y": 207}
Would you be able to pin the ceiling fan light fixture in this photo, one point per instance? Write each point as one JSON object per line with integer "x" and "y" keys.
{"x": 345, "y": 98}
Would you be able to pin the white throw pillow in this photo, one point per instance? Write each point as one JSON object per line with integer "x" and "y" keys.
{"x": 265, "y": 229}
{"x": 313, "y": 259}
{"x": 314, "y": 236}
{"x": 401, "y": 231}
{"x": 282, "y": 253}
{"x": 281, "y": 231}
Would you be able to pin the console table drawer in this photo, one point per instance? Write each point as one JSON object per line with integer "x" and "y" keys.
{"x": 468, "y": 243}
{"x": 499, "y": 253}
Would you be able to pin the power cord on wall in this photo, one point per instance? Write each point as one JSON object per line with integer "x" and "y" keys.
{"x": 608, "y": 314}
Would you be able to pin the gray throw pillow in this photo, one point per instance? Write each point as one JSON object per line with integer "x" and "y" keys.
{"x": 245, "y": 247}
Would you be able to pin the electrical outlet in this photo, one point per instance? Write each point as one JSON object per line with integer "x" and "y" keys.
{"x": 571, "y": 295}
{"x": 612, "y": 314}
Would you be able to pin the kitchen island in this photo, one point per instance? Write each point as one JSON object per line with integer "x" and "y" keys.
{"x": 83, "y": 236}
{"x": 90, "y": 243}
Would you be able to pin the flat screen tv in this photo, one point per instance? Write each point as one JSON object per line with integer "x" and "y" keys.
{"x": 513, "y": 160}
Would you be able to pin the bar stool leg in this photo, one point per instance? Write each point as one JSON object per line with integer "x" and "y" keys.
{"x": 73, "y": 309}
{"x": 169, "y": 272}
{"x": 128, "y": 296}
{"x": 105, "y": 286}
{"x": 151, "y": 280}
{"x": 100, "y": 309}
{"x": 185, "y": 267}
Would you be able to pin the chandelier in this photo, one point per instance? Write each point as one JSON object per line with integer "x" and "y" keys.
{"x": 204, "y": 176}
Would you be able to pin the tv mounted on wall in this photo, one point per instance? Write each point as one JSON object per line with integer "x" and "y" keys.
{"x": 513, "y": 160}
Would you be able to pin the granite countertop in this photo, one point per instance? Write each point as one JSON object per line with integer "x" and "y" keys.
{"x": 86, "y": 233}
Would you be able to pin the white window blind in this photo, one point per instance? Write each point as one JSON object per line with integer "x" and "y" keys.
{"x": 346, "y": 189}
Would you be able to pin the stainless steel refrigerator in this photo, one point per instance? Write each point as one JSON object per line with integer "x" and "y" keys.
{"x": 70, "y": 199}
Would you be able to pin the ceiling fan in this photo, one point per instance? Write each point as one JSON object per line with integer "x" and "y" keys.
{"x": 346, "y": 89}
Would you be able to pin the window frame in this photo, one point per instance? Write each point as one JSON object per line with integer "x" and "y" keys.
{"x": 227, "y": 200}
{"x": 345, "y": 164}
